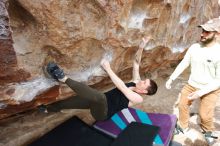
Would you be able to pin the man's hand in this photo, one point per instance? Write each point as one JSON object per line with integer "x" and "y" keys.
{"x": 193, "y": 95}
{"x": 105, "y": 64}
{"x": 168, "y": 83}
{"x": 144, "y": 41}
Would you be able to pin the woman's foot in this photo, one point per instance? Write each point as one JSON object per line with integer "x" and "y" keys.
{"x": 55, "y": 72}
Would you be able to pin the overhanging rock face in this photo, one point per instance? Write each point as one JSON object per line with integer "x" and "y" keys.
{"x": 78, "y": 34}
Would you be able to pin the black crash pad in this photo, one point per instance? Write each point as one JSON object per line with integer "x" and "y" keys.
{"x": 137, "y": 134}
{"x": 73, "y": 132}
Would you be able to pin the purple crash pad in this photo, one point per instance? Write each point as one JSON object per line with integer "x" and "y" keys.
{"x": 120, "y": 120}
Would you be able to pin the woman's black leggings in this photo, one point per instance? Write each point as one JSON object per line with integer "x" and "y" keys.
{"x": 86, "y": 98}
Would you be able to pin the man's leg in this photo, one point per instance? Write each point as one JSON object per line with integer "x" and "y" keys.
{"x": 183, "y": 106}
{"x": 206, "y": 110}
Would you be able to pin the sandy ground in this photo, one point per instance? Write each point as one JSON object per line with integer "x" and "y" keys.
{"x": 23, "y": 128}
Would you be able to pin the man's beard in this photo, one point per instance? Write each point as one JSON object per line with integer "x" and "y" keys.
{"x": 207, "y": 40}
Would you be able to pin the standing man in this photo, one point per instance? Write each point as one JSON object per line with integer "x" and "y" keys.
{"x": 204, "y": 80}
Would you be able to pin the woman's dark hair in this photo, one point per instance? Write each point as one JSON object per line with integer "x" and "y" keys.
{"x": 153, "y": 88}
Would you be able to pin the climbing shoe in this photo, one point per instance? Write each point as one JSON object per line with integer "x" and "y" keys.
{"x": 42, "y": 108}
{"x": 54, "y": 71}
{"x": 178, "y": 130}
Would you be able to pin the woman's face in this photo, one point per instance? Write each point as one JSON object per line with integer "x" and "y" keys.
{"x": 143, "y": 84}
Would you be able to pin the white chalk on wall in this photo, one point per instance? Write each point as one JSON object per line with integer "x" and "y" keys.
{"x": 27, "y": 91}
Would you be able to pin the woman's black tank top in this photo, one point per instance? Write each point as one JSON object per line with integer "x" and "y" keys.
{"x": 117, "y": 100}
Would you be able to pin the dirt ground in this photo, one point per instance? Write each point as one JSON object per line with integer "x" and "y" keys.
{"x": 23, "y": 128}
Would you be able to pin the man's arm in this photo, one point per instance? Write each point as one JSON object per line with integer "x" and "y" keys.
{"x": 137, "y": 60}
{"x": 180, "y": 68}
{"x": 132, "y": 96}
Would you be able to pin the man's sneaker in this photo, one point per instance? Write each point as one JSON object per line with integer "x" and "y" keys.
{"x": 210, "y": 137}
{"x": 54, "y": 71}
{"x": 178, "y": 130}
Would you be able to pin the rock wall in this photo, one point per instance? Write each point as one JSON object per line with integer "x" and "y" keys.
{"x": 8, "y": 61}
{"x": 78, "y": 34}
